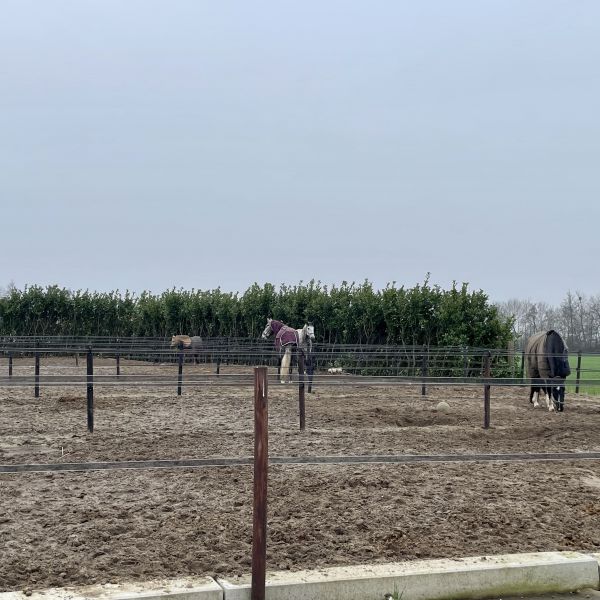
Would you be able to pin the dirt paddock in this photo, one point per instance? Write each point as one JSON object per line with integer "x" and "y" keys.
{"x": 69, "y": 528}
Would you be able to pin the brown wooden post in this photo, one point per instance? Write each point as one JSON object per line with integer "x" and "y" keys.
{"x": 578, "y": 379}
{"x": 486, "y": 391}
{"x": 10, "y": 364}
{"x": 118, "y": 358}
{"x": 261, "y": 465}
{"x": 90, "y": 390}
{"x": 301, "y": 396}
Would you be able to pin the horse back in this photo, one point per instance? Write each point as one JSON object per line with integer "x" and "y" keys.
{"x": 546, "y": 355}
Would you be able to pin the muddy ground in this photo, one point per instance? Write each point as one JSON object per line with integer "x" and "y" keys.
{"x": 70, "y": 528}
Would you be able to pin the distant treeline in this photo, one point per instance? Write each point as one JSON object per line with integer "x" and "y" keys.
{"x": 577, "y": 319}
{"x": 348, "y": 313}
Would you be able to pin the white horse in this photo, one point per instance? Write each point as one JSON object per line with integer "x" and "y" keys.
{"x": 285, "y": 338}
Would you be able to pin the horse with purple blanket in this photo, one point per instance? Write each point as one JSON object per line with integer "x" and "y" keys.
{"x": 286, "y": 338}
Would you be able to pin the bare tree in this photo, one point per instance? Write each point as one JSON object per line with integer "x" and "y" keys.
{"x": 7, "y": 289}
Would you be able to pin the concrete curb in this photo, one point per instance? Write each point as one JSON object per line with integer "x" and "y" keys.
{"x": 196, "y": 588}
{"x": 469, "y": 578}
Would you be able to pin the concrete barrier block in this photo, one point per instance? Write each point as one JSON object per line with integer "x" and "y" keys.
{"x": 196, "y": 588}
{"x": 468, "y": 578}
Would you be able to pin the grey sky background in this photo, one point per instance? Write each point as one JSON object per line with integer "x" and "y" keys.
{"x": 147, "y": 144}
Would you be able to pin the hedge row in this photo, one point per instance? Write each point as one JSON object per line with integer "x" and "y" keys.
{"x": 348, "y": 313}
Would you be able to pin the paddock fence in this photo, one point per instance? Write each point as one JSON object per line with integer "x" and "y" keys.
{"x": 153, "y": 362}
{"x": 334, "y": 364}
{"x": 37, "y": 363}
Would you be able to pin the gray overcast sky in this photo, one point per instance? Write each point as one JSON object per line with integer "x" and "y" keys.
{"x": 148, "y": 144}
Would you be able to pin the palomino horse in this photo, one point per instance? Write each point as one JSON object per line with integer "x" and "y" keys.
{"x": 285, "y": 338}
{"x": 547, "y": 361}
{"x": 188, "y": 344}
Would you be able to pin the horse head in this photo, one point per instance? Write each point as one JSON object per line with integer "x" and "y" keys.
{"x": 309, "y": 330}
{"x": 267, "y": 331}
{"x": 558, "y": 395}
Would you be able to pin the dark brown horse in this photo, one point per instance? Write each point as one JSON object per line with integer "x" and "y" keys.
{"x": 547, "y": 359}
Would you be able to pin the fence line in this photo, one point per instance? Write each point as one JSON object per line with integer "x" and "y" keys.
{"x": 384, "y": 459}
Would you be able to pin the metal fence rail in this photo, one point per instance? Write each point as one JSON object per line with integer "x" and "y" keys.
{"x": 203, "y": 463}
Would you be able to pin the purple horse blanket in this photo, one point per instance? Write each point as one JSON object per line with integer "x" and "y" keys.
{"x": 284, "y": 334}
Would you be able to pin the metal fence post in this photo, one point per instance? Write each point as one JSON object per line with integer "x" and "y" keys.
{"x": 261, "y": 465}
{"x": 310, "y": 370}
{"x": 10, "y": 364}
{"x": 486, "y": 390}
{"x": 578, "y": 380}
{"x": 180, "y": 369}
{"x": 36, "y": 389}
{"x": 90, "y": 390}
{"x": 424, "y": 372}
{"x": 301, "y": 397}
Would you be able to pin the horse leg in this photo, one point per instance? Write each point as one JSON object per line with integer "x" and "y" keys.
{"x": 285, "y": 365}
{"x": 549, "y": 399}
{"x": 293, "y": 353}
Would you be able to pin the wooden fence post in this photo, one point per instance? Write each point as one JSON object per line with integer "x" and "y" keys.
{"x": 301, "y": 397}
{"x": 118, "y": 359}
{"x": 90, "y": 390}
{"x": 578, "y": 380}
{"x": 10, "y": 364}
{"x": 486, "y": 390}
{"x": 261, "y": 465}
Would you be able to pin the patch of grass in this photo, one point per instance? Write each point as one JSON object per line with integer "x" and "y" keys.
{"x": 590, "y": 371}
{"x": 396, "y": 595}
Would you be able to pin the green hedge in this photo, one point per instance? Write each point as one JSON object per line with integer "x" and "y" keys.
{"x": 348, "y": 313}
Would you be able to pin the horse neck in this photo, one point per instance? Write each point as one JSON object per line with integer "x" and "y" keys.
{"x": 275, "y": 327}
{"x": 301, "y": 335}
